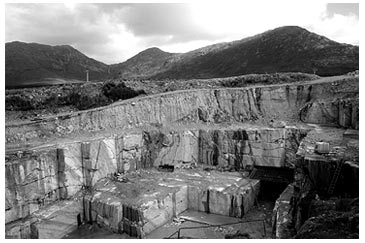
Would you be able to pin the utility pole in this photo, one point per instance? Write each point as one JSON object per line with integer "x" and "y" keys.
{"x": 87, "y": 75}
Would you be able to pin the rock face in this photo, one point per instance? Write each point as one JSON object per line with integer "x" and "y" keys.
{"x": 230, "y": 148}
{"x": 239, "y": 148}
{"x": 145, "y": 203}
{"x": 35, "y": 179}
{"x": 283, "y": 227}
{"x": 291, "y": 102}
{"x": 31, "y": 182}
{"x": 178, "y": 148}
{"x": 38, "y": 178}
{"x": 51, "y": 222}
{"x": 61, "y": 172}
{"x": 315, "y": 179}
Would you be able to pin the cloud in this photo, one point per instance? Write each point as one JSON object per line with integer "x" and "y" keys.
{"x": 52, "y": 23}
{"x": 106, "y": 32}
{"x": 343, "y": 9}
{"x": 343, "y": 29}
{"x": 153, "y": 19}
{"x": 55, "y": 24}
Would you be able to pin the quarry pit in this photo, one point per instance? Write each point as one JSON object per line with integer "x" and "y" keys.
{"x": 251, "y": 162}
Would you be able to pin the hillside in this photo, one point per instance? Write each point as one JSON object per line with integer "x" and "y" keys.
{"x": 36, "y": 64}
{"x": 285, "y": 49}
{"x": 146, "y": 63}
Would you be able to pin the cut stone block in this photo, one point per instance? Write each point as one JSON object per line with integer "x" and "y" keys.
{"x": 73, "y": 173}
{"x": 30, "y": 183}
{"x": 103, "y": 159}
{"x": 21, "y": 229}
{"x": 51, "y": 222}
{"x": 197, "y": 199}
{"x": 58, "y": 220}
{"x": 181, "y": 200}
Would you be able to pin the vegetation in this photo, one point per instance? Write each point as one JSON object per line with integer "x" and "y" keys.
{"x": 18, "y": 102}
{"x": 119, "y": 91}
{"x": 80, "y": 96}
{"x": 274, "y": 78}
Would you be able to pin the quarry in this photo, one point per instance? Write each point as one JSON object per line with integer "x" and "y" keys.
{"x": 272, "y": 161}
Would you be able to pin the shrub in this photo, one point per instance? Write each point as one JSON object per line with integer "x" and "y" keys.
{"x": 120, "y": 91}
{"x": 18, "y": 102}
{"x": 84, "y": 100}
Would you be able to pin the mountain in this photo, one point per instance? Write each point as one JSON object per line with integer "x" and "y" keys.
{"x": 35, "y": 64}
{"x": 146, "y": 63}
{"x": 285, "y": 49}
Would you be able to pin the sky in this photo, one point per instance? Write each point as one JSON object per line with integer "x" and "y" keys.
{"x": 113, "y": 32}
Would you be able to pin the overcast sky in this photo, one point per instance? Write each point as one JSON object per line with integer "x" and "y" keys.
{"x": 114, "y": 32}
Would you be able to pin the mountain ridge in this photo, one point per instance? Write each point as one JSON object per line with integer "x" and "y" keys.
{"x": 34, "y": 63}
{"x": 283, "y": 49}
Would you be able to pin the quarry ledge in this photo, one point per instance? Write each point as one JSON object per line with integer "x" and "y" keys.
{"x": 152, "y": 96}
{"x": 299, "y": 102}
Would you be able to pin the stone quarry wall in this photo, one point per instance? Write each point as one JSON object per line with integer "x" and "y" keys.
{"x": 238, "y": 148}
{"x": 35, "y": 179}
{"x": 31, "y": 181}
{"x": 282, "y": 218}
{"x": 314, "y": 176}
{"x": 323, "y": 103}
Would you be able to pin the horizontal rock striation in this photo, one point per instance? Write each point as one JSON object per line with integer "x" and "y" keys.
{"x": 327, "y": 101}
{"x": 46, "y": 176}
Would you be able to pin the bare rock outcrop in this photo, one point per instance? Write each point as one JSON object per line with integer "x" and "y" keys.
{"x": 277, "y": 102}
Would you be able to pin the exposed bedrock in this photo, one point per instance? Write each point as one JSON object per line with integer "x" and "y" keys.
{"x": 38, "y": 178}
{"x": 318, "y": 178}
{"x": 35, "y": 179}
{"x": 341, "y": 112}
{"x": 140, "y": 206}
{"x": 322, "y": 102}
{"x": 31, "y": 181}
{"x": 226, "y": 148}
{"x": 40, "y": 182}
{"x": 51, "y": 222}
{"x": 283, "y": 212}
